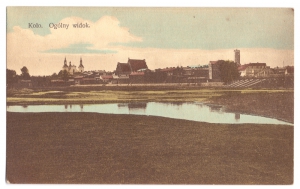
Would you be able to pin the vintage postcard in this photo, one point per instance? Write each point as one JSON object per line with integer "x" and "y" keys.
{"x": 105, "y": 95}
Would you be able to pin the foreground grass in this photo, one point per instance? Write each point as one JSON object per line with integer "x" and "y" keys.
{"x": 121, "y": 149}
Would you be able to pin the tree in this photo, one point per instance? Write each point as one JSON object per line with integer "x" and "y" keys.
{"x": 54, "y": 76}
{"x": 25, "y": 73}
{"x": 65, "y": 75}
{"x": 228, "y": 71}
{"x": 11, "y": 77}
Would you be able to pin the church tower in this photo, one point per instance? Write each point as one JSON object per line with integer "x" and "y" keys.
{"x": 65, "y": 66}
{"x": 72, "y": 69}
{"x": 81, "y": 67}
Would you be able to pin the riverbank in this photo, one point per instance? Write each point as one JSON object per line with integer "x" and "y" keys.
{"x": 274, "y": 103}
{"x": 279, "y": 105}
{"x": 127, "y": 149}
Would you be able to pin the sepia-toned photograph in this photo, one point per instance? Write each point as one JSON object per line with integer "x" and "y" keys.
{"x": 149, "y": 95}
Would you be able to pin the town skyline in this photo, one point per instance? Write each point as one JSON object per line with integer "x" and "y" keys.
{"x": 165, "y": 37}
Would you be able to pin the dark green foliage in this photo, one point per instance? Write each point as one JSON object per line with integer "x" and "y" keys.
{"x": 25, "y": 73}
{"x": 155, "y": 77}
{"x": 228, "y": 71}
{"x": 11, "y": 77}
{"x": 40, "y": 81}
{"x": 54, "y": 75}
{"x": 65, "y": 75}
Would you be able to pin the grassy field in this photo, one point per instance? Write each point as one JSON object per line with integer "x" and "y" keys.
{"x": 122, "y": 149}
{"x": 106, "y": 96}
{"x": 276, "y": 104}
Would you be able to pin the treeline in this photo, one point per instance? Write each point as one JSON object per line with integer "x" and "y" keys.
{"x": 12, "y": 78}
{"x": 24, "y": 79}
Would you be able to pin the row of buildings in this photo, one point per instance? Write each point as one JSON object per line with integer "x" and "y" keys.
{"x": 133, "y": 71}
{"x": 251, "y": 70}
{"x": 137, "y": 71}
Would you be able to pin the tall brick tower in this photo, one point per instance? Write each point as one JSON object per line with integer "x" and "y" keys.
{"x": 237, "y": 58}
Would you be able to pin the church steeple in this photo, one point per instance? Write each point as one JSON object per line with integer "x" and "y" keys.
{"x": 65, "y": 66}
{"x": 80, "y": 65}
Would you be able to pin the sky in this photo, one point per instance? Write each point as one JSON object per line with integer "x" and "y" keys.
{"x": 164, "y": 37}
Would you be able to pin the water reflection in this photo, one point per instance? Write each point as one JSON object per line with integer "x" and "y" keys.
{"x": 179, "y": 110}
{"x": 237, "y": 116}
{"x": 173, "y": 103}
{"x": 133, "y": 108}
{"x": 214, "y": 108}
{"x": 70, "y": 107}
{"x": 141, "y": 106}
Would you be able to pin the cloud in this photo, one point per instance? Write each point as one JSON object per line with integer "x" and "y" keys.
{"x": 80, "y": 49}
{"x": 26, "y": 48}
{"x": 99, "y": 34}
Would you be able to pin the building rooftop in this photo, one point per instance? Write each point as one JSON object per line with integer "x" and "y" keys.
{"x": 257, "y": 64}
{"x": 137, "y": 64}
{"x": 242, "y": 67}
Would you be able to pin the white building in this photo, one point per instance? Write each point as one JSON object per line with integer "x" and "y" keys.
{"x": 71, "y": 69}
{"x": 255, "y": 70}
